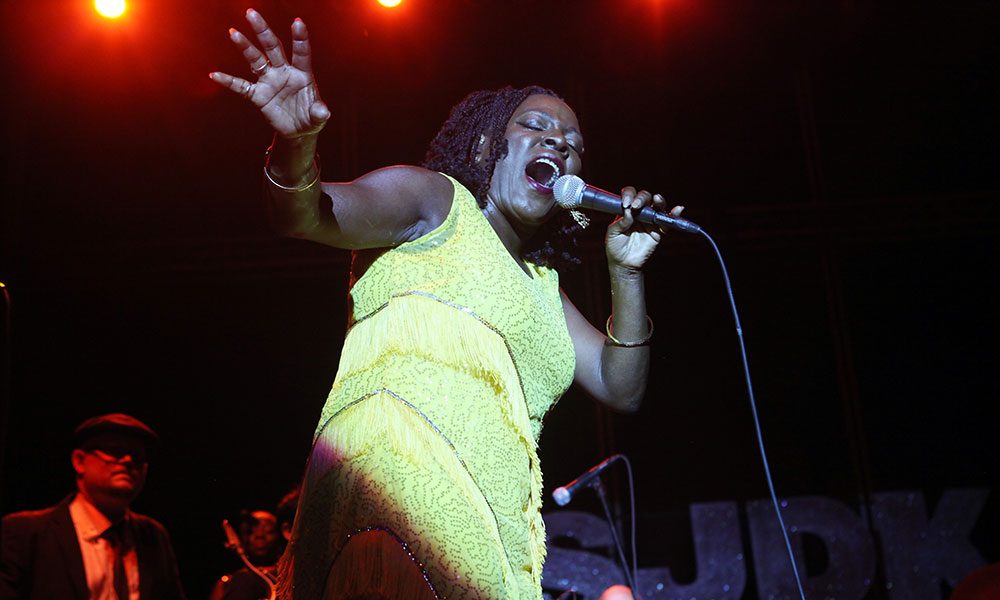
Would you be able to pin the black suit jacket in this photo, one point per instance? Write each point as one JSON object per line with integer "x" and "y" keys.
{"x": 40, "y": 557}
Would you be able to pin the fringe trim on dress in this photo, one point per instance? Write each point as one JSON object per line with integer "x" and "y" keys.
{"x": 420, "y": 324}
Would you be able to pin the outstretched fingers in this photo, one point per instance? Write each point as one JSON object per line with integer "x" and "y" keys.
{"x": 269, "y": 42}
{"x": 236, "y": 84}
{"x": 254, "y": 57}
{"x": 301, "y": 51}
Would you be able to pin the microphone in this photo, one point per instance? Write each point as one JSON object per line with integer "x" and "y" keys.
{"x": 232, "y": 540}
{"x": 562, "y": 495}
{"x": 571, "y": 192}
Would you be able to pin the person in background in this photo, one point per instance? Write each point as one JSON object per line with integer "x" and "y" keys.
{"x": 617, "y": 592}
{"x": 286, "y": 513}
{"x": 263, "y": 536}
{"x": 92, "y": 545}
{"x": 262, "y": 544}
{"x": 981, "y": 584}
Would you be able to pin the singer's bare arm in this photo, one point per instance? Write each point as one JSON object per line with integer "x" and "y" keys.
{"x": 613, "y": 374}
{"x": 383, "y": 208}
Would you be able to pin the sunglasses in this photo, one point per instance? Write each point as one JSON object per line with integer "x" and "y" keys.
{"x": 119, "y": 455}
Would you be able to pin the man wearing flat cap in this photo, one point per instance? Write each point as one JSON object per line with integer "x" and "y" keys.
{"x": 91, "y": 545}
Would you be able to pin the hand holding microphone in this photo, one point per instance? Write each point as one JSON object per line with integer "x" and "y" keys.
{"x": 571, "y": 192}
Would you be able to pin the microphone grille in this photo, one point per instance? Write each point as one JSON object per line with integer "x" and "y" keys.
{"x": 561, "y": 495}
{"x": 568, "y": 191}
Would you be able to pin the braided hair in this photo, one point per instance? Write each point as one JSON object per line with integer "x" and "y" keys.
{"x": 456, "y": 145}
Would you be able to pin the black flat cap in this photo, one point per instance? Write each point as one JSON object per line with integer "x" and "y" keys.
{"x": 115, "y": 423}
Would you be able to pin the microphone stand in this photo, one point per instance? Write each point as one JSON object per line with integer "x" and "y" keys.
{"x": 599, "y": 488}
{"x": 6, "y": 352}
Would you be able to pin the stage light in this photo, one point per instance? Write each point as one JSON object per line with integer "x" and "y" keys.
{"x": 390, "y": 3}
{"x": 111, "y": 9}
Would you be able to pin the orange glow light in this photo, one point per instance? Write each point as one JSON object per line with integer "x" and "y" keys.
{"x": 390, "y": 3}
{"x": 111, "y": 9}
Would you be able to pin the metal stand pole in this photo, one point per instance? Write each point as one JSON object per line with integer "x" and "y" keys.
{"x": 599, "y": 487}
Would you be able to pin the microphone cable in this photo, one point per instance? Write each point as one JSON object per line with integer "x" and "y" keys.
{"x": 756, "y": 417}
{"x": 571, "y": 192}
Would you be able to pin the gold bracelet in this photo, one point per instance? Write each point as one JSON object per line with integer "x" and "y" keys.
{"x": 300, "y": 188}
{"x": 613, "y": 341}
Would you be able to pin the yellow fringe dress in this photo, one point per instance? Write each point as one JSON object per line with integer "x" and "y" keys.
{"x": 424, "y": 470}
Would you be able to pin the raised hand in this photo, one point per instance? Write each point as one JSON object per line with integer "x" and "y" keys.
{"x": 285, "y": 93}
{"x": 630, "y": 243}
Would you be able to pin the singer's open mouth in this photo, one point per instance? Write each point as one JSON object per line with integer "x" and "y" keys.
{"x": 543, "y": 172}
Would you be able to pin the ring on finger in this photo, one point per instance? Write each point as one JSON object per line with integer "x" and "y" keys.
{"x": 247, "y": 90}
{"x": 263, "y": 67}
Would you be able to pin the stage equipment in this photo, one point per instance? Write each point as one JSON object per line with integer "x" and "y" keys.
{"x": 5, "y": 359}
{"x": 563, "y": 494}
{"x": 592, "y": 479}
{"x": 110, "y": 9}
{"x": 571, "y": 192}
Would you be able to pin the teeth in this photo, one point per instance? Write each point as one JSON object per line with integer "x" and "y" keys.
{"x": 556, "y": 171}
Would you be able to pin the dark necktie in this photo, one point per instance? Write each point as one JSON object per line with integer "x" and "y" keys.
{"x": 119, "y": 544}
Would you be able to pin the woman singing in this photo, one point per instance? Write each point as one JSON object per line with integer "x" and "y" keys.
{"x": 423, "y": 480}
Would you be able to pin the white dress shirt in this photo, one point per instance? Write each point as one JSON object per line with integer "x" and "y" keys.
{"x": 99, "y": 554}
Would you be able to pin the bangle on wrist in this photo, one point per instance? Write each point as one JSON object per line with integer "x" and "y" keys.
{"x": 298, "y": 188}
{"x": 613, "y": 341}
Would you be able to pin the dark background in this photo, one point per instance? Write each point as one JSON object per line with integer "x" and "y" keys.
{"x": 842, "y": 153}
